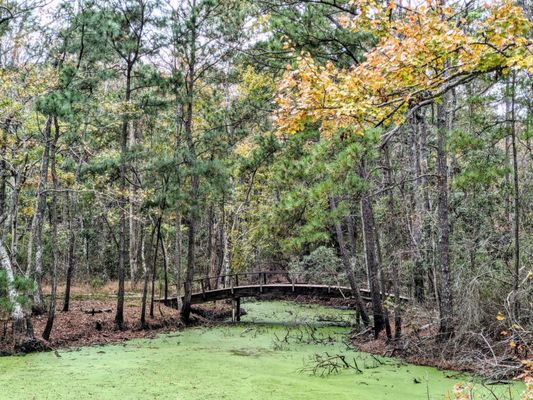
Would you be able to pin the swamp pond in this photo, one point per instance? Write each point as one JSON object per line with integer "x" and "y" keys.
{"x": 271, "y": 354}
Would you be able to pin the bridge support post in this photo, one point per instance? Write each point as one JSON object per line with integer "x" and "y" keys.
{"x": 236, "y": 309}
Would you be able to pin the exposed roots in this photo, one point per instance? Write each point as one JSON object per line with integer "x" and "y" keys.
{"x": 31, "y": 346}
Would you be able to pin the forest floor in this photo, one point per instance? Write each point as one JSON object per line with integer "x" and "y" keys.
{"x": 90, "y": 319}
{"x": 482, "y": 353}
{"x": 81, "y": 327}
{"x": 91, "y": 322}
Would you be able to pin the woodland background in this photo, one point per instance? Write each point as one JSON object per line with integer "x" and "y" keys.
{"x": 153, "y": 142}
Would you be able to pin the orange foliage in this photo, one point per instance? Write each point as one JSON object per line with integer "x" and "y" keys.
{"x": 418, "y": 57}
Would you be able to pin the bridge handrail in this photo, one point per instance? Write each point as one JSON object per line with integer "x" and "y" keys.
{"x": 235, "y": 274}
{"x": 234, "y": 278}
{"x": 231, "y": 280}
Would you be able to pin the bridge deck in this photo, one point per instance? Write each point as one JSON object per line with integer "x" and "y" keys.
{"x": 270, "y": 289}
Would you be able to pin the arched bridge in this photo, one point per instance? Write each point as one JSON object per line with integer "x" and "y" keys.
{"x": 277, "y": 284}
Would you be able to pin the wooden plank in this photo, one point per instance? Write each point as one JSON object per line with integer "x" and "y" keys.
{"x": 280, "y": 289}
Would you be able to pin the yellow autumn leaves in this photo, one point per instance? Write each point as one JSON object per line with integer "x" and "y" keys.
{"x": 20, "y": 86}
{"x": 510, "y": 332}
{"x": 418, "y": 56}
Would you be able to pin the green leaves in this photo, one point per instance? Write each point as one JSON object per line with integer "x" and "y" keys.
{"x": 24, "y": 287}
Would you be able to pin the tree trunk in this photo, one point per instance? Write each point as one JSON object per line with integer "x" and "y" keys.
{"x": 10, "y": 216}
{"x": 516, "y": 205}
{"x": 416, "y": 126}
{"x": 382, "y": 285}
{"x": 71, "y": 263}
{"x": 361, "y": 308}
{"x": 37, "y": 223}
{"x": 393, "y": 243}
{"x": 214, "y": 251}
{"x": 3, "y": 173}
{"x": 85, "y": 249}
{"x": 446, "y": 328}
{"x": 22, "y": 328}
{"x": 211, "y": 246}
{"x": 165, "y": 264}
{"x": 191, "y": 163}
{"x": 367, "y": 219}
{"x": 191, "y": 248}
{"x": 154, "y": 264}
{"x": 55, "y": 255}
{"x": 145, "y": 276}
{"x": 178, "y": 238}
{"x": 177, "y": 256}
{"x": 221, "y": 246}
{"x": 119, "y": 317}
{"x": 352, "y": 236}
{"x": 133, "y": 224}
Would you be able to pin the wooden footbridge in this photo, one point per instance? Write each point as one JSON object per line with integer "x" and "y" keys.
{"x": 271, "y": 284}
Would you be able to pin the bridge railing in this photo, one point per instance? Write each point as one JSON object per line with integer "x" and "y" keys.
{"x": 208, "y": 283}
{"x": 242, "y": 279}
{"x": 239, "y": 279}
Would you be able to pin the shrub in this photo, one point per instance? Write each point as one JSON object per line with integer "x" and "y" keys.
{"x": 97, "y": 282}
{"x": 321, "y": 265}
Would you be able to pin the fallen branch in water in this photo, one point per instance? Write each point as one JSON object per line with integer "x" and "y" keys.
{"x": 326, "y": 364}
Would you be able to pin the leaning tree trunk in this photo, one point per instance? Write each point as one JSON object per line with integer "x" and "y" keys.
{"x": 361, "y": 308}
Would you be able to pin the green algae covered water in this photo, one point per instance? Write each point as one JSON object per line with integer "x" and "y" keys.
{"x": 271, "y": 354}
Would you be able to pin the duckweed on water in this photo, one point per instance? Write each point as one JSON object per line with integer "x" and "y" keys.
{"x": 267, "y": 356}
